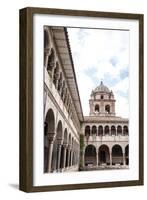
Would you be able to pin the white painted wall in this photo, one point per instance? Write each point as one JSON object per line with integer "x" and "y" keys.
{"x": 9, "y": 42}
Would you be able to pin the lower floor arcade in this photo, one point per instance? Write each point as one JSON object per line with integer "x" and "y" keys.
{"x": 61, "y": 148}
{"x": 104, "y": 155}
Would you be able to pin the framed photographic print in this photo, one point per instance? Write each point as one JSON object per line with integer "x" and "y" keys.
{"x": 81, "y": 99}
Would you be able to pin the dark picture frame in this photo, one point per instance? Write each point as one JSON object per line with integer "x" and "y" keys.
{"x": 26, "y": 99}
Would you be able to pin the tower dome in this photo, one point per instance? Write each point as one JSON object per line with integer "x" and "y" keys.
{"x": 101, "y": 88}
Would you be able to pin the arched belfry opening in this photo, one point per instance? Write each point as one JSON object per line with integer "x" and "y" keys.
{"x": 107, "y": 109}
{"x": 97, "y": 109}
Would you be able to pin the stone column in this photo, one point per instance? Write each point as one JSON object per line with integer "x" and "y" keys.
{"x": 50, "y": 155}
{"x": 97, "y": 158}
{"x": 102, "y": 111}
{"x": 46, "y": 55}
{"x": 110, "y": 132}
{"x": 110, "y": 158}
{"x": 59, "y": 155}
{"x": 64, "y": 158}
{"x": 71, "y": 158}
{"x": 68, "y": 156}
{"x": 83, "y": 156}
{"x": 116, "y": 131}
{"x": 57, "y": 79}
{"x": 103, "y": 130}
{"x": 51, "y": 142}
{"x": 124, "y": 160}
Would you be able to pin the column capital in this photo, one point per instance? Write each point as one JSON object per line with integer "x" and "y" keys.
{"x": 51, "y": 136}
{"x": 69, "y": 147}
{"x": 65, "y": 145}
{"x": 59, "y": 141}
{"x": 47, "y": 51}
{"x": 97, "y": 150}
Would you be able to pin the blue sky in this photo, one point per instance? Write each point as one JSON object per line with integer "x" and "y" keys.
{"x": 101, "y": 55}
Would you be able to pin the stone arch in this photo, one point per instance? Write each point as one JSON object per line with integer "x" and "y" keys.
{"x": 90, "y": 155}
{"x": 69, "y": 139}
{"x": 59, "y": 131}
{"x": 65, "y": 96}
{"x": 67, "y": 100}
{"x": 46, "y": 38}
{"x": 46, "y": 44}
{"x": 72, "y": 142}
{"x": 100, "y": 130}
{"x": 117, "y": 155}
{"x": 49, "y": 134}
{"x": 65, "y": 136}
{"x": 113, "y": 130}
{"x": 94, "y": 129}
{"x": 107, "y": 108}
{"x": 56, "y": 74}
{"x": 87, "y": 130}
{"x": 51, "y": 61}
{"x": 125, "y": 130}
{"x": 56, "y": 158}
{"x": 63, "y": 90}
{"x": 127, "y": 154}
{"x": 119, "y": 130}
{"x": 49, "y": 124}
{"x": 60, "y": 82}
{"x": 104, "y": 154}
{"x": 106, "y": 130}
{"x": 69, "y": 106}
{"x": 97, "y": 108}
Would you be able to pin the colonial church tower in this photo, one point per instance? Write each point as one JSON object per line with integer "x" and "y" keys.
{"x": 102, "y": 102}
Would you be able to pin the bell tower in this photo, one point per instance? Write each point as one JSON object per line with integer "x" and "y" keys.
{"x": 102, "y": 102}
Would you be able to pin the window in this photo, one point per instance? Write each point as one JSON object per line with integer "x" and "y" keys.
{"x": 87, "y": 131}
{"x": 102, "y": 97}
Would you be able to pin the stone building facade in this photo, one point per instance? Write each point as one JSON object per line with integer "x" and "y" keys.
{"x": 62, "y": 107}
{"x": 105, "y": 136}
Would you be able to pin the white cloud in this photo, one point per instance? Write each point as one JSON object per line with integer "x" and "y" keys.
{"x": 122, "y": 103}
{"x": 122, "y": 106}
{"x": 106, "y": 51}
{"x": 105, "y": 68}
{"x": 85, "y": 86}
{"x": 122, "y": 85}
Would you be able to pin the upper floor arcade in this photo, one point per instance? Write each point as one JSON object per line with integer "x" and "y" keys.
{"x": 59, "y": 74}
